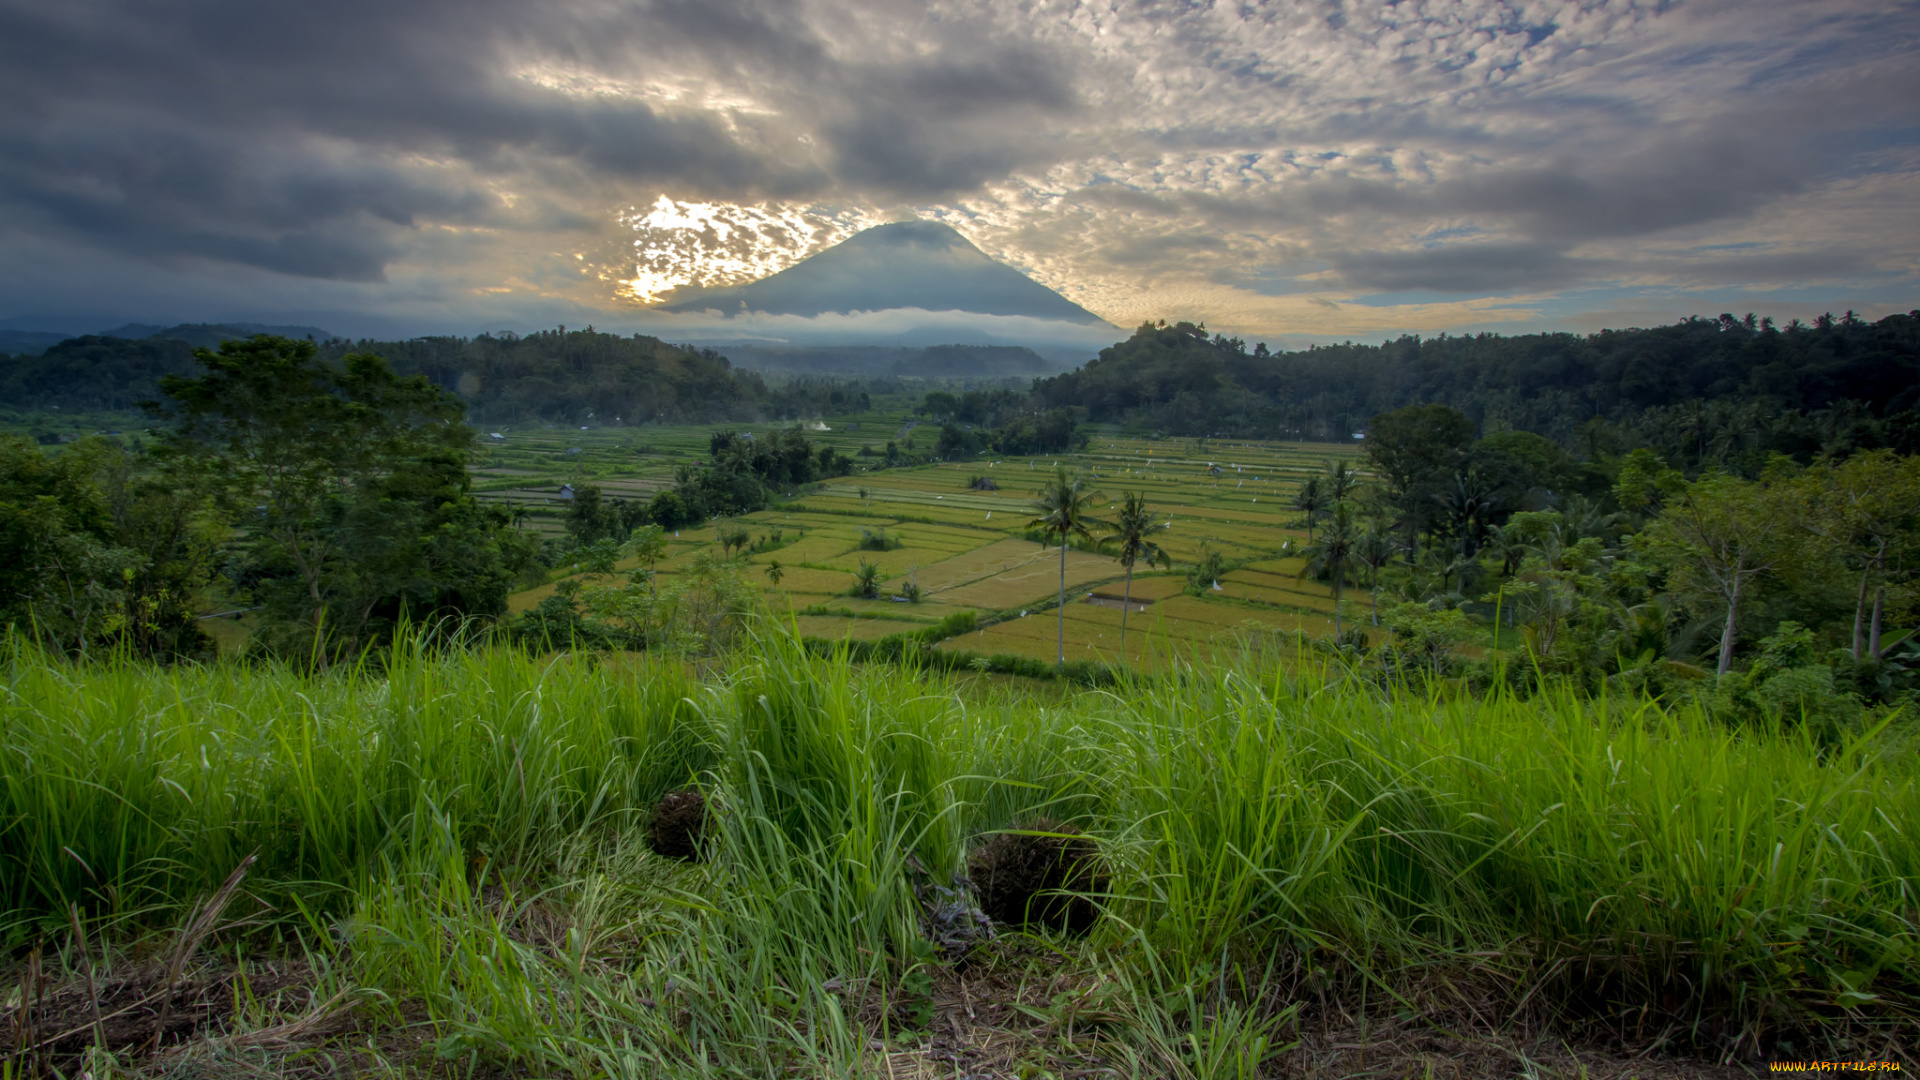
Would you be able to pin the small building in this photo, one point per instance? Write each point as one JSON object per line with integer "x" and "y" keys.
{"x": 566, "y": 491}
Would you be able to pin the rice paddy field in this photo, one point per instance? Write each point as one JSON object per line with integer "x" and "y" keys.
{"x": 453, "y": 864}
{"x": 967, "y": 550}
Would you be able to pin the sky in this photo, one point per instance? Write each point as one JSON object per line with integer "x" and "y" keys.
{"x": 1285, "y": 172}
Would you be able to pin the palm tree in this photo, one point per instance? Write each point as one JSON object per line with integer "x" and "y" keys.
{"x": 1311, "y": 499}
{"x": 1062, "y": 505}
{"x": 1341, "y": 480}
{"x": 1133, "y": 529}
{"x": 775, "y": 572}
{"x": 1336, "y": 546}
{"x": 1509, "y": 546}
{"x": 1376, "y": 549}
{"x": 866, "y": 580}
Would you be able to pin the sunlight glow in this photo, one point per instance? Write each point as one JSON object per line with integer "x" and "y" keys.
{"x": 677, "y": 244}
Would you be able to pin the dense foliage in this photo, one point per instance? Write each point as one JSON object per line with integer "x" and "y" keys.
{"x": 100, "y": 548}
{"x": 330, "y": 499}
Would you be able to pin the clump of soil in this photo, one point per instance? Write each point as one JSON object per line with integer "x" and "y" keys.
{"x": 1032, "y": 880}
{"x": 679, "y": 825}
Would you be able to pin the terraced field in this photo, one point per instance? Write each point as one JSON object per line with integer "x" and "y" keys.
{"x": 967, "y": 549}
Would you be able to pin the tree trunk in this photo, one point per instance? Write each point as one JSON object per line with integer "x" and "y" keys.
{"x": 1338, "y": 573}
{"x": 1063, "y": 600}
{"x": 1860, "y": 609}
{"x": 1726, "y": 633}
{"x": 1126, "y": 603}
{"x": 1873, "y": 638}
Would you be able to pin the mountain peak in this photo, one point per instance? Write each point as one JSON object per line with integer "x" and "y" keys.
{"x": 906, "y": 264}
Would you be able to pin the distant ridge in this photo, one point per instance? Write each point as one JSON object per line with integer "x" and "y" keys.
{"x": 199, "y": 335}
{"x": 909, "y": 264}
{"x": 210, "y": 335}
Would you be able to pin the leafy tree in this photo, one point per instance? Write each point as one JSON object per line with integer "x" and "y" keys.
{"x": 1133, "y": 532}
{"x": 590, "y": 516}
{"x": 733, "y": 537}
{"x": 1720, "y": 534}
{"x": 98, "y": 546}
{"x": 669, "y": 510}
{"x": 61, "y": 571}
{"x": 1425, "y": 638}
{"x": 649, "y": 544}
{"x": 1869, "y": 505}
{"x": 1645, "y": 482}
{"x": 1062, "y": 507}
{"x": 1416, "y": 450}
{"x": 352, "y": 486}
{"x": 1521, "y": 470}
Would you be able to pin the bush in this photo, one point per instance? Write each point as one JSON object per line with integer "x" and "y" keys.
{"x": 670, "y": 511}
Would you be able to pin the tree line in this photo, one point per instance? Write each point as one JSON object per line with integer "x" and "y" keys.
{"x": 1713, "y": 389}
{"x": 559, "y": 376}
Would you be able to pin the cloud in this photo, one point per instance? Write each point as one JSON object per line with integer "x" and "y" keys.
{"x": 461, "y": 160}
{"x": 1479, "y": 269}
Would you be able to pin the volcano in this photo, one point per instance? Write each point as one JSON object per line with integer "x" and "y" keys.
{"x": 909, "y": 264}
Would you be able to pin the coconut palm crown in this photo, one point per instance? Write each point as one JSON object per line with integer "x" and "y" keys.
{"x": 1331, "y": 553}
{"x": 1133, "y": 534}
{"x": 1061, "y": 506}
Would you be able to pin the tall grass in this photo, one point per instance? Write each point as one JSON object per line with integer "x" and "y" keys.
{"x": 1588, "y": 861}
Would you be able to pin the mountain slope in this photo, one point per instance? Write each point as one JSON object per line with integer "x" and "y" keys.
{"x": 910, "y": 264}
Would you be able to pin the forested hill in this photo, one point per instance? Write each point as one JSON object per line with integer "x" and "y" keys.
{"x": 577, "y": 375}
{"x": 561, "y": 376}
{"x": 1182, "y": 381}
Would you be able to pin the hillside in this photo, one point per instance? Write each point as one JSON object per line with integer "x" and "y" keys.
{"x": 1181, "y": 380}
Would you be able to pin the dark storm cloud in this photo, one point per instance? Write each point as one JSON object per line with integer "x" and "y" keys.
{"x": 313, "y": 139}
{"x": 1480, "y": 269}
